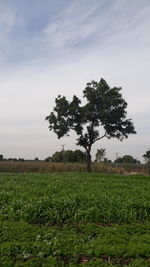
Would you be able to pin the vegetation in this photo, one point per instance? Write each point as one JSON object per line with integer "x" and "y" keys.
{"x": 147, "y": 160}
{"x": 74, "y": 219}
{"x": 75, "y": 197}
{"x": 105, "y": 107}
{"x": 48, "y": 167}
{"x": 147, "y": 156}
{"x": 69, "y": 156}
{"x": 127, "y": 159}
{"x": 100, "y": 155}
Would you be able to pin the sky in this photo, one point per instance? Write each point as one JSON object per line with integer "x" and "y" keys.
{"x": 49, "y": 48}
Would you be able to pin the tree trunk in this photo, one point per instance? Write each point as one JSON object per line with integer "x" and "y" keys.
{"x": 88, "y": 161}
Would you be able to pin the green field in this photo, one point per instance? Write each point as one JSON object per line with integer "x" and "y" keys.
{"x": 74, "y": 219}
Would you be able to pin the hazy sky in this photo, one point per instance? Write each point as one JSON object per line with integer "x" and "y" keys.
{"x": 55, "y": 47}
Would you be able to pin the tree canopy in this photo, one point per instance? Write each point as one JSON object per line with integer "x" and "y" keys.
{"x": 127, "y": 159}
{"x": 146, "y": 156}
{"x": 103, "y": 115}
{"x": 100, "y": 154}
{"x": 69, "y": 156}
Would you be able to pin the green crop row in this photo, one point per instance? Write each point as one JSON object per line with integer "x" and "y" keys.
{"x": 73, "y": 198}
{"x": 72, "y": 219}
{"x": 22, "y": 244}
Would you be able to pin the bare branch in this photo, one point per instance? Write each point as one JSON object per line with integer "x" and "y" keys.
{"x": 99, "y": 138}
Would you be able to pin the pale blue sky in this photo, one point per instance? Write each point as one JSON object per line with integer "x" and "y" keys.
{"x": 54, "y": 47}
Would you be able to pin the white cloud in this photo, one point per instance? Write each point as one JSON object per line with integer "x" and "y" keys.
{"x": 74, "y": 25}
{"x": 99, "y": 22}
{"x": 7, "y": 22}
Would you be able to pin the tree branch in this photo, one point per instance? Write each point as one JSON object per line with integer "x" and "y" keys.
{"x": 99, "y": 138}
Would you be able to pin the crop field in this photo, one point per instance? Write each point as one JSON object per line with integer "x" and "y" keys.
{"x": 74, "y": 219}
{"x": 48, "y": 167}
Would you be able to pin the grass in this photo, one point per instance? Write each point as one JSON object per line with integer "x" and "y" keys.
{"x": 72, "y": 219}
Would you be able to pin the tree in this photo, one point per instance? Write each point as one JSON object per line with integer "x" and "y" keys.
{"x": 100, "y": 154}
{"x": 119, "y": 160}
{"x": 48, "y": 159}
{"x": 104, "y": 107}
{"x": 68, "y": 156}
{"x": 127, "y": 159}
{"x": 57, "y": 157}
{"x": 106, "y": 160}
{"x": 79, "y": 156}
{"x": 146, "y": 156}
{"x": 1, "y": 157}
{"x": 21, "y": 159}
{"x": 14, "y": 159}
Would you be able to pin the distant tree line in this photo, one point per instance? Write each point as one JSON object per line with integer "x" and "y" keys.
{"x": 127, "y": 159}
{"x": 100, "y": 156}
{"x": 15, "y": 159}
{"x": 80, "y": 156}
{"x": 67, "y": 156}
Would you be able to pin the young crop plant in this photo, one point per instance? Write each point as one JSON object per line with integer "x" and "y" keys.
{"x": 74, "y": 219}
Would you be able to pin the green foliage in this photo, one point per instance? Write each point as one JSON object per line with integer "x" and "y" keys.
{"x": 12, "y": 159}
{"x": 69, "y": 156}
{"x": 1, "y": 157}
{"x": 74, "y": 219}
{"x": 21, "y": 159}
{"x": 57, "y": 157}
{"x": 79, "y": 156}
{"x": 104, "y": 107}
{"x": 147, "y": 156}
{"x": 71, "y": 245}
{"x": 67, "y": 198}
{"x": 127, "y": 159}
{"x": 100, "y": 154}
{"x": 48, "y": 159}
